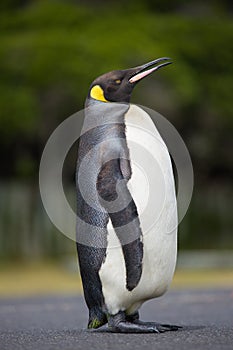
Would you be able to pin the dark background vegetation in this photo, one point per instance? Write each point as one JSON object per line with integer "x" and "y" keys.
{"x": 50, "y": 51}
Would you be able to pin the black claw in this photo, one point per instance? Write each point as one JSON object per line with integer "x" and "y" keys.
{"x": 156, "y": 330}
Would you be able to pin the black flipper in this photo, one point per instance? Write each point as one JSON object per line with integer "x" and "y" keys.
{"x": 111, "y": 186}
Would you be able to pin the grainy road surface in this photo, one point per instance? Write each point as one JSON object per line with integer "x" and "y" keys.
{"x": 54, "y": 323}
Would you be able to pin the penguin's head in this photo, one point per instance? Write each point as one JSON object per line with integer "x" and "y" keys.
{"x": 117, "y": 86}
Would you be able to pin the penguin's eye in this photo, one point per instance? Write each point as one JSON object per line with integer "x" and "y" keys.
{"x": 117, "y": 81}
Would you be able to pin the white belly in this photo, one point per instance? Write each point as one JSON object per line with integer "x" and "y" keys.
{"x": 152, "y": 188}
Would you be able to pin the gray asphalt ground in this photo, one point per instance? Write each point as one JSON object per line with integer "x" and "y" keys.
{"x": 54, "y": 323}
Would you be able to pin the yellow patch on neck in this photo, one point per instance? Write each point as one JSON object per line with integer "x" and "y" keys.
{"x": 98, "y": 94}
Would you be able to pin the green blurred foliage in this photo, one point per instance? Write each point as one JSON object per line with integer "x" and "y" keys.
{"x": 51, "y": 50}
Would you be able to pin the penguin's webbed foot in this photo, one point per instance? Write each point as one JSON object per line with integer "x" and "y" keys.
{"x": 120, "y": 323}
{"x": 160, "y": 327}
{"x": 134, "y": 318}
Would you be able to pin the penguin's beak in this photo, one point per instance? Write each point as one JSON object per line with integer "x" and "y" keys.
{"x": 141, "y": 72}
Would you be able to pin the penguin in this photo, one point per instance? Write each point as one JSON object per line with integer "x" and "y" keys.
{"x": 122, "y": 263}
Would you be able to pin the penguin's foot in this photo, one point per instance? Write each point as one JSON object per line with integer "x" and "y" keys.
{"x": 120, "y": 323}
{"x": 134, "y": 318}
{"x": 160, "y": 327}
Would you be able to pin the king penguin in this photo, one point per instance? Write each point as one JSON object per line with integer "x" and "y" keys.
{"x": 122, "y": 263}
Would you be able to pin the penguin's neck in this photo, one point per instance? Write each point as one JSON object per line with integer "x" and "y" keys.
{"x": 92, "y": 101}
{"x": 105, "y": 114}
